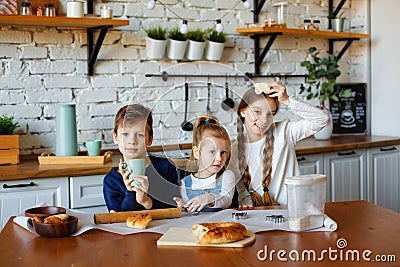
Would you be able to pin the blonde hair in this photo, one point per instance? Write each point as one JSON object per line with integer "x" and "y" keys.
{"x": 215, "y": 129}
{"x": 266, "y": 199}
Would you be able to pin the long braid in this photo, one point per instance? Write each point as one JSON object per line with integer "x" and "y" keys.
{"x": 243, "y": 167}
{"x": 267, "y": 199}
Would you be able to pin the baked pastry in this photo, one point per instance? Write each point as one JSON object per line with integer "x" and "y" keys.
{"x": 219, "y": 233}
{"x": 140, "y": 220}
{"x": 56, "y": 219}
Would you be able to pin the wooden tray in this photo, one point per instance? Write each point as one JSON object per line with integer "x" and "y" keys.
{"x": 53, "y": 160}
{"x": 183, "y": 237}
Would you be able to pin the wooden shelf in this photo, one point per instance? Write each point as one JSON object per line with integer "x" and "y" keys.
{"x": 273, "y": 32}
{"x": 90, "y": 24}
{"x": 58, "y": 21}
{"x": 301, "y": 33}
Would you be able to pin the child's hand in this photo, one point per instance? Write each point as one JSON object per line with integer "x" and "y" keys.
{"x": 273, "y": 89}
{"x": 198, "y": 203}
{"x": 180, "y": 203}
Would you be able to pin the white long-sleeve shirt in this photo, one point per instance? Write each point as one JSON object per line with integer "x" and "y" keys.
{"x": 224, "y": 198}
{"x": 284, "y": 162}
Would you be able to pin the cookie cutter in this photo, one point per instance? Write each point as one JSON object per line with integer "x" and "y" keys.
{"x": 276, "y": 218}
{"x": 239, "y": 215}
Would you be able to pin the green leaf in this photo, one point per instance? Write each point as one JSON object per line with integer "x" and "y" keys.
{"x": 7, "y": 126}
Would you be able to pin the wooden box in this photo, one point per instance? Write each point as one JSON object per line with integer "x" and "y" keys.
{"x": 9, "y": 149}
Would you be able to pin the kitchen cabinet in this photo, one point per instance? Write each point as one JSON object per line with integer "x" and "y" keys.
{"x": 310, "y": 164}
{"x": 91, "y": 24}
{"x": 86, "y": 193}
{"x": 384, "y": 176}
{"x": 18, "y": 195}
{"x": 346, "y": 171}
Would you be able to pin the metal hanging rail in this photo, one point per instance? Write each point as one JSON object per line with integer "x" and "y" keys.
{"x": 247, "y": 76}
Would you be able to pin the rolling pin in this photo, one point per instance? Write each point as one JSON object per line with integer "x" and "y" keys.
{"x": 121, "y": 216}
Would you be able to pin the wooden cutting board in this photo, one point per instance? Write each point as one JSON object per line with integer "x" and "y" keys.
{"x": 183, "y": 237}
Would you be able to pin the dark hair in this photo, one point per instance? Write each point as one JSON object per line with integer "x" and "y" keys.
{"x": 130, "y": 114}
{"x": 248, "y": 98}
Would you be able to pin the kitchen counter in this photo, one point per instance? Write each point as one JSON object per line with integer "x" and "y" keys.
{"x": 30, "y": 168}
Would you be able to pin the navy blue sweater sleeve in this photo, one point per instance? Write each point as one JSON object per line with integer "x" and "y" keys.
{"x": 116, "y": 196}
{"x": 163, "y": 186}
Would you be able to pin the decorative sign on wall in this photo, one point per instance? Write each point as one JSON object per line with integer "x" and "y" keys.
{"x": 349, "y": 115}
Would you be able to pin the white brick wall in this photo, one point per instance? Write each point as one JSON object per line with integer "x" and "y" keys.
{"x": 40, "y": 67}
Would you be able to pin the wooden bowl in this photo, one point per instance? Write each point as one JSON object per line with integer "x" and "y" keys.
{"x": 55, "y": 230}
{"x": 44, "y": 211}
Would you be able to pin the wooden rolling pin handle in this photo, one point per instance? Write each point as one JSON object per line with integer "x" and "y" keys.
{"x": 122, "y": 216}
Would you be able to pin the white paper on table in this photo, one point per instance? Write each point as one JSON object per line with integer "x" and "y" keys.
{"x": 256, "y": 222}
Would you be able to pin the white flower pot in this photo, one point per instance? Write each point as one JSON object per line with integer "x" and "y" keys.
{"x": 337, "y": 25}
{"x": 326, "y": 132}
{"x": 195, "y": 50}
{"x": 155, "y": 49}
{"x": 214, "y": 50}
{"x": 176, "y": 49}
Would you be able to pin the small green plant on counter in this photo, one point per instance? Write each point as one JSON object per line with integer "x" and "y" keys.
{"x": 196, "y": 35}
{"x": 7, "y": 126}
{"x": 214, "y": 36}
{"x": 175, "y": 34}
{"x": 322, "y": 75}
{"x": 157, "y": 33}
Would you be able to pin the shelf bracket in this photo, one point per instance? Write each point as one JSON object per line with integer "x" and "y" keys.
{"x": 93, "y": 49}
{"x": 258, "y": 58}
{"x": 349, "y": 41}
{"x": 90, "y": 6}
{"x": 257, "y": 6}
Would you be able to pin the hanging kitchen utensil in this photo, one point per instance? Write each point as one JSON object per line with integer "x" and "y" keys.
{"x": 208, "y": 98}
{"x": 228, "y": 103}
{"x": 186, "y": 125}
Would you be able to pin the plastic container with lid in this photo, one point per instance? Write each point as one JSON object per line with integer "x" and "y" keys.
{"x": 306, "y": 201}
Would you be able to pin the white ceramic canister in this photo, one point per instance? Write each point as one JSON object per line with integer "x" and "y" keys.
{"x": 106, "y": 12}
{"x": 75, "y": 9}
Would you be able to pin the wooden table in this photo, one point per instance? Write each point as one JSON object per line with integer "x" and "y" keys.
{"x": 362, "y": 225}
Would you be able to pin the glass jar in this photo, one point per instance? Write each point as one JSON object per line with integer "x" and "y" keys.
{"x": 39, "y": 11}
{"x": 50, "y": 10}
{"x": 26, "y": 8}
{"x": 306, "y": 24}
{"x": 316, "y": 23}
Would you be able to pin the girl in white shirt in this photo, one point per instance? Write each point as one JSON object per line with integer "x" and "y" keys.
{"x": 211, "y": 185}
{"x": 264, "y": 153}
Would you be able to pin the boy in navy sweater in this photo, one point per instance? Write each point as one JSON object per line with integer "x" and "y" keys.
{"x": 133, "y": 131}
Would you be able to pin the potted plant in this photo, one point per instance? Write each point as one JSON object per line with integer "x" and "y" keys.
{"x": 196, "y": 44}
{"x": 338, "y": 22}
{"x": 9, "y": 145}
{"x": 156, "y": 42}
{"x": 215, "y": 44}
{"x": 322, "y": 75}
{"x": 176, "y": 46}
